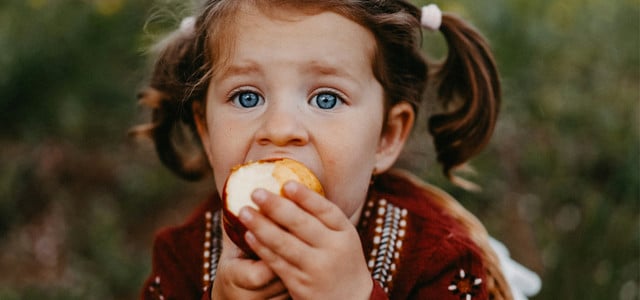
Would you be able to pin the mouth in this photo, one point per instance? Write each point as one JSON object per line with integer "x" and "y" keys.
{"x": 274, "y": 156}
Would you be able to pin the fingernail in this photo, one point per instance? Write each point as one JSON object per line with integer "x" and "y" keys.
{"x": 249, "y": 237}
{"x": 259, "y": 196}
{"x": 245, "y": 215}
{"x": 290, "y": 187}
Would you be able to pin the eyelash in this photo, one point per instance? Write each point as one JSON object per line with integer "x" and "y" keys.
{"x": 235, "y": 94}
{"x": 339, "y": 97}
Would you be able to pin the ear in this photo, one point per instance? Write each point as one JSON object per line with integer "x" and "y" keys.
{"x": 200, "y": 119}
{"x": 394, "y": 135}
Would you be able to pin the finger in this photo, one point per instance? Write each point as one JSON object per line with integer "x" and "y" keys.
{"x": 288, "y": 215}
{"x": 274, "y": 290}
{"x": 283, "y": 265}
{"x": 242, "y": 272}
{"x": 229, "y": 248}
{"x": 282, "y": 296}
{"x": 270, "y": 242}
{"x": 324, "y": 210}
{"x": 252, "y": 275}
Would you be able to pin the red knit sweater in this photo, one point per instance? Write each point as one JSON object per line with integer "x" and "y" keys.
{"x": 414, "y": 248}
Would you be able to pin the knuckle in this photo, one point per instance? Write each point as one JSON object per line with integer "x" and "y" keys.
{"x": 281, "y": 247}
{"x": 299, "y": 222}
{"x": 256, "y": 279}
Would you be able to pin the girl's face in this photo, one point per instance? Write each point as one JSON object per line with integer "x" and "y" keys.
{"x": 303, "y": 88}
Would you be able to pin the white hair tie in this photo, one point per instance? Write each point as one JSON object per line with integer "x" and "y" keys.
{"x": 188, "y": 25}
{"x": 431, "y": 17}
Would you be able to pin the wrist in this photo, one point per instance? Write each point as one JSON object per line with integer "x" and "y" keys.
{"x": 365, "y": 289}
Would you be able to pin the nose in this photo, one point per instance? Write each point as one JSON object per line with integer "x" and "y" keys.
{"x": 282, "y": 126}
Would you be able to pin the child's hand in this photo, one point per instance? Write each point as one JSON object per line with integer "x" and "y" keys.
{"x": 240, "y": 278}
{"x": 309, "y": 243}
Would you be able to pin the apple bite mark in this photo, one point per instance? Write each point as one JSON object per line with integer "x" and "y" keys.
{"x": 244, "y": 179}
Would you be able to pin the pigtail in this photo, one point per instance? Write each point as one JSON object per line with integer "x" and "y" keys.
{"x": 173, "y": 88}
{"x": 469, "y": 90}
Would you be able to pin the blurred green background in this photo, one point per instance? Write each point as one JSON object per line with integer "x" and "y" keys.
{"x": 80, "y": 201}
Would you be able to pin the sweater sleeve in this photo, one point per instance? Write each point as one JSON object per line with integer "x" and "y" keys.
{"x": 177, "y": 259}
{"x": 169, "y": 278}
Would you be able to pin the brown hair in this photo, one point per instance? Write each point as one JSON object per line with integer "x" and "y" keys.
{"x": 467, "y": 81}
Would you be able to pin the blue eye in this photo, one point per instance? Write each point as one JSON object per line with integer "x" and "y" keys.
{"x": 247, "y": 99}
{"x": 325, "y": 100}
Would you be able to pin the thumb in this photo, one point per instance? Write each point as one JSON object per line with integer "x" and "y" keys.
{"x": 229, "y": 248}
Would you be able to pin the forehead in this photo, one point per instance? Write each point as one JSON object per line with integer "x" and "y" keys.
{"x": 327, "y": 41}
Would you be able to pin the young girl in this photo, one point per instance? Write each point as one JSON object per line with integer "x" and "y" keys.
{"x": 334, "y": 84}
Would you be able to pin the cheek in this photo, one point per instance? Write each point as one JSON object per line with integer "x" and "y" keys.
{"x": 222, "y": 164}
{"x": 225, "y": 149}
{"x": 349, "y": 190}
{"x": 348, "y": 172}
{"x": 363, "y": 161}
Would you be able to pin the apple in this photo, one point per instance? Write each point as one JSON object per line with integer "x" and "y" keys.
{"x": 269, "y": 174}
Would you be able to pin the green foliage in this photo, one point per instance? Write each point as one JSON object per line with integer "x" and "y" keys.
{"x": 79, "y": 202}
{"x": 563, "y": 165}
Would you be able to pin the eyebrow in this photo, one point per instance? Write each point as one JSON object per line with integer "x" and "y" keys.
{"x": 239, "y": 69}
{"x": 324, "y": 68}
{"x": 317, "y": 67}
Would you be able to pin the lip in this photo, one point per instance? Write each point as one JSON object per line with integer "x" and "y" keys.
{"x": 275, "y": 155}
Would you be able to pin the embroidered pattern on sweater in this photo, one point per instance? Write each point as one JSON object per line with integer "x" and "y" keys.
{"x": 212, "y": 247}
{"x": 155, "y": 291}
{"x": 390, "y": 222}
{"x": 465, "y": 285}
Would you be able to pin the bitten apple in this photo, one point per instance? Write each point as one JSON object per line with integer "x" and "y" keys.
{"x": 270, "y": 175}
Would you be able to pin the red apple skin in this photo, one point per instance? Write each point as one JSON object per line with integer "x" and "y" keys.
{"x": 236, "y": 230}
{"x": 233, "y": 227}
